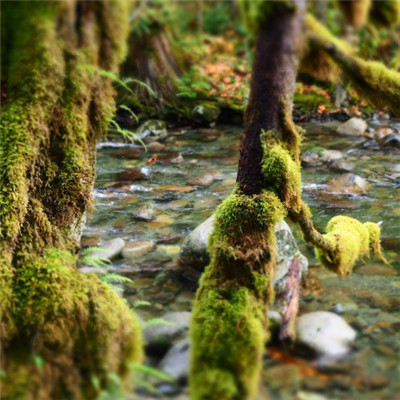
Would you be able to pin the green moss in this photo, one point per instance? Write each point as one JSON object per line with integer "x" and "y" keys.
{"x": 373, "y": 80}
{"x": 229, "y": 326}
{"x": 281, "y": 172}
{"x": 349, "y": 241}
{"x": 228, "y": 336}
{"x": 51, "y": 117}
{"x": 256, "y": 13}
{"x": 63, "y": 314}
{"x": 238, "y": 210}
{"x": 314, "y": 61}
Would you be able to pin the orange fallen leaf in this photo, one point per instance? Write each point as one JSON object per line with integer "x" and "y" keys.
{"x": 153, "y": 159}
{"x": 321, "y": 109}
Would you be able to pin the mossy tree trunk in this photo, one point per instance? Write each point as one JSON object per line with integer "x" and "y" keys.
{"x": 63, "y": 333}
{"x": 229, "y": 326}
{"x": 154, "y": 60}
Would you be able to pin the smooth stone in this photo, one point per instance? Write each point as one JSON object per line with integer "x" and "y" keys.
{"x": 152, "y": 131}
{"x": 313, "y": 158}
{"x": 326, "y": 333}
{"x": 160, "y": 337}
{"x": 145, "y": 213}
{"x": 137, "y": 249}
{"x": 201, "y": 180}
{"x": 341, "y": 166}
{"x": 194, "y": 256}
{"x": 177, "y": 360}
{"x": 353, "y": 127}
{"x": 161, "y": 221}
{"x": 169, "y": 249}
{"x": 110, "y": 249}
{"x": 155, "y": 147}
{"x": 176, "y": 188}
{"x": 349, "y": 184}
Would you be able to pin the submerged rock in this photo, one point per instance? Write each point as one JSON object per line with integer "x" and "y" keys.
{"x": 353, "y": 127}
{"x": 152, "y": 130}
{"x": 326, "y": 333}
{"x": 137, "y": 249}
{"x": 155, "y": 147}
{"x": 349, "y": 184}
{"x": 194, "y": 255}
{"x": 201, "y": 180}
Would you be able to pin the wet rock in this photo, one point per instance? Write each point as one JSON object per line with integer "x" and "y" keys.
{"x": 349, "y": 184}
{"x": 210, "y": 132}
{"x": 131, "y": 175}
{"x": 205, "y": 113}
{"x": 392, "y": 140}
{"x": 353, "y": 127}
{"x": 152, "y": 131}
{"x": 175, "y": 188}
{"x": 341, "y": 166}
{"x": 318, "y": 158}
{"x": 136, "y": 249}
{"x": 145, "y": 213}
{"x": 177, "y": 360}
{"x": 110, "y": 249}
{"x": 201, "y": 180}
{"x": 133, "y": 153}
{"x": 161, "y": 221}
{"x": 155, "y": 147}
{"x": 326, "y": 333}
{"x": 194, "y": 254}
{"x": 159, "y": 338}
{"x": 171, "y": 159}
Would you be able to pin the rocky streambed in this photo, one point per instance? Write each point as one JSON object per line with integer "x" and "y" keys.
{"x": 147, "y": 203}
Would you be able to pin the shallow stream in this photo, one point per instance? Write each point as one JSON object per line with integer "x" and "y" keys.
{"x": 369, "y": 300}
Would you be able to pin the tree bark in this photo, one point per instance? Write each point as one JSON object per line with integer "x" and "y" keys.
{"x": 54, "y": 110}
{"x": 272, "y": 84}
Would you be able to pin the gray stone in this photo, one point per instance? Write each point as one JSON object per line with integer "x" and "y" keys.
{"x": 353, "y": 127}
{"x": 110, "y": 249}
{"x": 326, "y": 333}
{"x": 136, "y": 249}
{"x": 155, "y": 147}
{"x": 152, "y": 131}
{"x": 349, "y": 184}
{"x": 163, "y": 335}
{"x": 194, "y": 255}
{"x": 177, "y": 360}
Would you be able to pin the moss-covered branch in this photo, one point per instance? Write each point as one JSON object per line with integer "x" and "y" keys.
{"x": 373, "y": 80}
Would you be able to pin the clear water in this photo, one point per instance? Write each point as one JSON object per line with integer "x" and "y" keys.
{"x": 370, "y": 297}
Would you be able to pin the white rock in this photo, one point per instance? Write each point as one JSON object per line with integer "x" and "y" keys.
{"x": 326, "y": 333}
{"x": 110, "y": 249}
{"x": 176, "y": 361}
{"x": 353, "y": 127}
{"x": 137, "y": 249}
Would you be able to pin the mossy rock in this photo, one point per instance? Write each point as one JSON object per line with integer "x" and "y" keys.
{"x": 205, "y": 113}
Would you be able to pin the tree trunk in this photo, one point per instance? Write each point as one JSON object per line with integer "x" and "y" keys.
{"x": 229, "y": 326}
{"x": 54, "y": 110}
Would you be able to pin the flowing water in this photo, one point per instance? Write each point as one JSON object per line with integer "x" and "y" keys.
{"x": 369, "y": 300}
